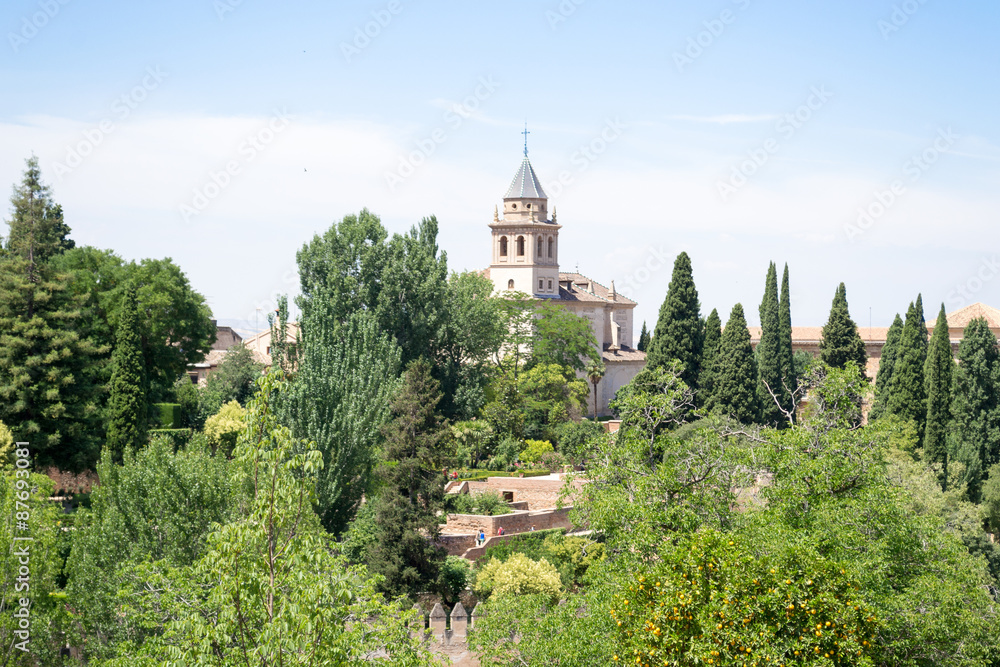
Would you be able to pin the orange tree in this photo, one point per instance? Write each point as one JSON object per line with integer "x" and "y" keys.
{"x": 709, "y": 600}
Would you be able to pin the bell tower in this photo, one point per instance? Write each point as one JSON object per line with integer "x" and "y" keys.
{"x": 525, "y": 254}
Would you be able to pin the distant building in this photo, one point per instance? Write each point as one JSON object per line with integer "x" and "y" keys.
{"x": 525, "y": 258}
{"x": 807, "y": 338}
{"x": 260, "y": 345}
{"x": 225, "y": 338}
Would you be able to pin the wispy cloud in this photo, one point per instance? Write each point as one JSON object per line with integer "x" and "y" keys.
{"x": 726, "y": 119}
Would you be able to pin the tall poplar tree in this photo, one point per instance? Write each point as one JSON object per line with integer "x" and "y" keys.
{"x": 678, "y": 334}
{"x": 841, "y": 343}
{"x": 735, "y": 392}
{"x": 346, "y": 376}
{"x": 788, "y": 374}
{"x": 643, "y": 338}
{"x": 937, "y": 385}
{"x": 769, "y": 352}
{"x": 127, "y": 405}
{"x": 975, "y": 408}
{"x": 709, "y": 357}
{"x": 47, "y": 393}
{"x": 907, "y": 396}
{"x": 886, "y": 367}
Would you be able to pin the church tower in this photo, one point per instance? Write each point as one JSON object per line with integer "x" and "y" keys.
{"x": 526, "y": 241}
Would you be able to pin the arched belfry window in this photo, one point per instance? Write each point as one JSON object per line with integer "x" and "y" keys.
{"x": 520, "y": 246}
{"x": 503, "y": 246}
{"x": 510, "y": 284}
{"x": 552, "y": 245}
{"x": 541, "y": 247}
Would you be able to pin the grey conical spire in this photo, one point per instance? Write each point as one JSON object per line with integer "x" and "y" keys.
{"x": 525, "y": 184}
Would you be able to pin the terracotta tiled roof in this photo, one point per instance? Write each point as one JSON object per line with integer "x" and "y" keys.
{"x": 959, "y": 319}
{"x": 623, "y": 354}
{"x": 577, "y": 290}
{"x": 814, "y": 334}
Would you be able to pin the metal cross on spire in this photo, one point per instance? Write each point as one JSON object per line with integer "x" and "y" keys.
{"x": 526, "y": 133}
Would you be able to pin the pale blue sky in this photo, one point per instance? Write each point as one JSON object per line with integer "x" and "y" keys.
{"x": 885, "y": 81}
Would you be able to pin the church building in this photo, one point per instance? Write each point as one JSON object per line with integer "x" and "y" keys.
{"x": 525, "y": 258}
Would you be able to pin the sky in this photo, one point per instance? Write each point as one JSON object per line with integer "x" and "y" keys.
{"x": 856, "y": 141}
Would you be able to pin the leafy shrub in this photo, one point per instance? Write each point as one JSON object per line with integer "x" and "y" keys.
{"x": 530, "y": 544}
{"x": 518, "y": 575}
{"x": 575, "y": 439}
{"x": 535, "y": 449}
{"x": 223, "y": 427}
{"x": 506, "y": 454}
{"x": 177, "y": 436}
{"x": 453, "y": 578}
{"x": 6, "y": 447}
{"x": 552, "y": 461}
{"x": 490, "y": 503}
{"x": 458, "y": 503}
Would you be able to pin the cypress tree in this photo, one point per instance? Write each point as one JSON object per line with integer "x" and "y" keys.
{"x": 735, "y": 391}
{"x": 886, "y": 367}
{"x": 975, "y": 407}
{"x": 47, "y": 393}
{"x": 937, "y": 380}
{"x": 678, "y": 333}
{"x": 841, "y": 343}
{"x": 769, "y": 352}
{"x": 791, "y": 381}
{"x": 709, "y": 356}
{"x": 907, "y": 396}
{"x": 643, "y": 338}
{"x": 405, "y": 552}
{"x": 127, "y": 407}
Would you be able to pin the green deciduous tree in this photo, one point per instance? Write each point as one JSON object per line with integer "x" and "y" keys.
{"x": 735, "y": 391}
{"x": 48, "y": 392}
{"x": 268, "y": 590}
{"x": 31, "y": 527}
{"x": 562, "y": 338}
{"x": 127, "y": 405}
{"x": 769, "y": 354}
{"x": 346, "y": 377}
{"x": 233, "y": 380}
{"x": 678, "y": 334}
{"x": 157, "y": 505}
{"x": 907, "y": 393}
{"x": 886, "y": 366}
{"x": 709, "y": 356}
{"x": 937, "y": 386}
{"x": 176, "y": 327}
{"x": 841, "y": 343}
{"x": 975, "y": 435}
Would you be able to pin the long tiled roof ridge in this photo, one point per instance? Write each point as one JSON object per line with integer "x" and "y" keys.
{"x": 621, "y": 297}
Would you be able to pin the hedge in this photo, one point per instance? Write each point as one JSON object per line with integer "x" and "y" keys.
{"x": 169, "y": 415}
{"x": 479, "y": 475}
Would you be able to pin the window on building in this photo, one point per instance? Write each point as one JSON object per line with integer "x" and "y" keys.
{"x": 552, "y": 244}
{"x": 540, "y": 285}
{"x": 503, "y": 246}
{"x": 520, "y": 246}
{"x": 541, "y": 247}
{"x": 550, "y": 285}
{"x": 510, "y": 284}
